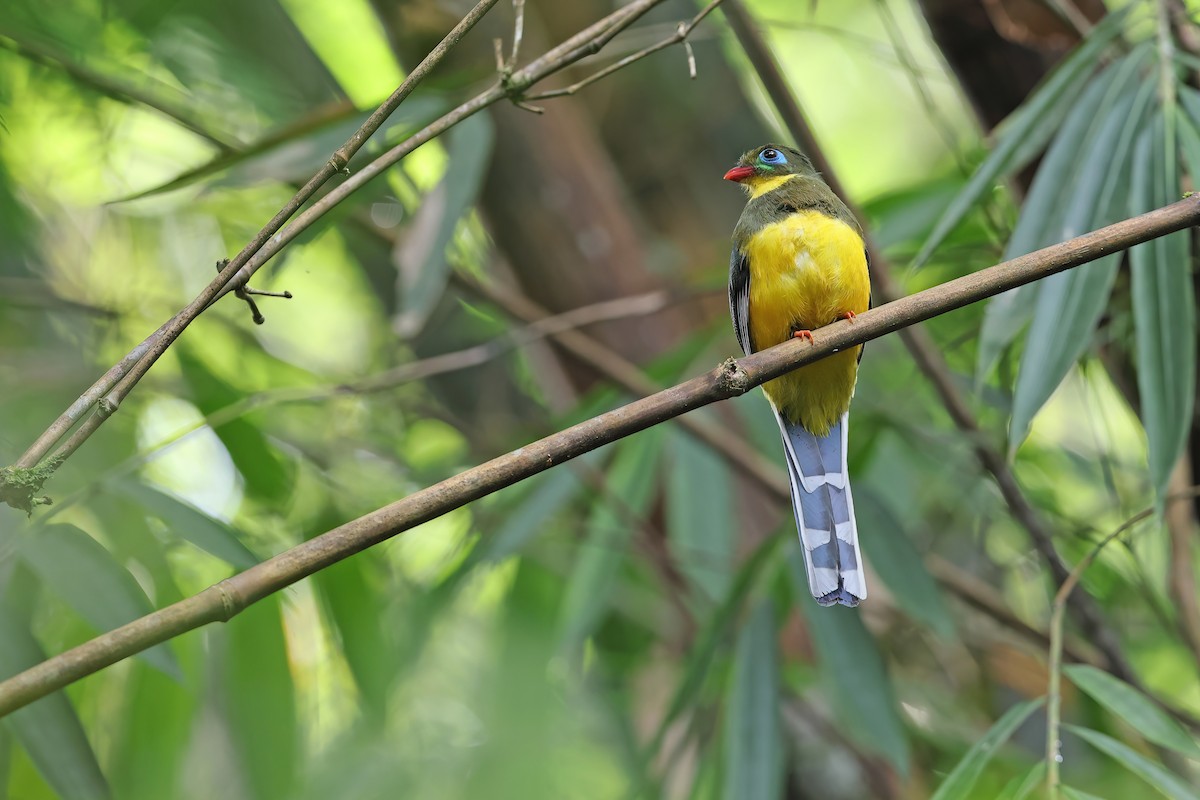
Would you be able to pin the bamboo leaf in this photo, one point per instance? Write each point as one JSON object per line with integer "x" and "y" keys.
{"x": 1154, "y": 774}
{"x": 961, "y": 780}
{"x": 853, "y": 667}
{"x": 700, "y": 515}
{"x": 188, "y": 523}
{"x": 260, "y": 703}
{"x": 753, "y": 745}
{"x": 1026, "y": 130}
{"x": 1077, "y": 794}
{"x": 48, "y": 730}
{"x": 899, "y": 564}
{"x": 551, "y": 492}
{"x": 1022, "y": 786}
{"x": 630, "y": 481}
{"x": 86, "y": 576}
{"x": 1163, "y": 307}
{"x": 421, "y": 258}
{"x": 1070, "y": 304}
{"x": 1055, "y": 204}
{"x": 1134, "y": 707}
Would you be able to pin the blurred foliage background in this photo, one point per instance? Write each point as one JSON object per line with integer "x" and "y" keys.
{"x": 631, "y": 624}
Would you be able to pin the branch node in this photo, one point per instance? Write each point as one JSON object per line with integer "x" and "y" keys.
{"x": 107, "y": 406}
{"x": 19, "y": 486}
{"x": 731, "y": 378}
{"x": 231, "y": 601}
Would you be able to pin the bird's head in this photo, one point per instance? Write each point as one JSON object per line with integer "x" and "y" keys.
{"x": 762, "y": 164}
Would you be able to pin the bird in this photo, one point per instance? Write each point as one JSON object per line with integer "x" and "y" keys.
{"x": 799, "y": 262}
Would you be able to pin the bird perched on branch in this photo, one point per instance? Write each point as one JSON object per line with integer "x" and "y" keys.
{"x": 798, "y": 263}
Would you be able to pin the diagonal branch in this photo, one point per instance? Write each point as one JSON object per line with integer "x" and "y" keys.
{"x": 923, "y": 349}
{"x": 227, "y": 598}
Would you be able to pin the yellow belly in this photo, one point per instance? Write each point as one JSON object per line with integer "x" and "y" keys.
{"x": 805, "y": 272}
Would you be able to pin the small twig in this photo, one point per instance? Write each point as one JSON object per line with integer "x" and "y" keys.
{"x": 680, "y": 35}
{"x": 1057, "y": 616}
{"x": 730, "y": 379}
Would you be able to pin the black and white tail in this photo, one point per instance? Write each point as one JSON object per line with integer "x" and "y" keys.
{"x": 825, "y": 512}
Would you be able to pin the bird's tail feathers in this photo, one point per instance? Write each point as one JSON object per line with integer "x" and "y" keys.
{"x": 824, "y": 510}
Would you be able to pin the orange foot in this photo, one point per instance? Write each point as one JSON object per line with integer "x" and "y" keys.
{"x": 803, "y": 335}
{"x": 850, "y": 315}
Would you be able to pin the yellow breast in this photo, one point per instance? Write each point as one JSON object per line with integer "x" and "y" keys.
{"x": 807, "y": 271}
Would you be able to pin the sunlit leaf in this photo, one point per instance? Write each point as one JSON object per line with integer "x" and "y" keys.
{"x": 961, "y": 780}
{"x": 753, "y": 745}
{"x": 189, "y": 523}
{"x": 259, "y": 699}
{"x": 1070, "y": 304}
{"x": 629, "y": 485}
{"x": 700, "y": 515}
{"x": 85, "y": 575}
{"x": 1134, "y": 707}
{"x": 1026, "y": 130}
{"x": 421, "y": 259}
{"x": 1154, "y": 774}
{"x": 267, "y": 473}
{"x": 853, "y": 668}
{"x": 1163, "y": 307}
{"x": 48, "y": 730}
{"x": 896, "y": 560}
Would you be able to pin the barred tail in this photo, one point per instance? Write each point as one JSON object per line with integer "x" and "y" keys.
{"x": 825, "y": 512}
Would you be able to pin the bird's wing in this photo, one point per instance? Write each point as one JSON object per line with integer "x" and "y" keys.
{"x": 739, "y": 298}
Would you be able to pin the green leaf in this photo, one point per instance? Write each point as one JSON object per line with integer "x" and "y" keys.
{"x": 631, "y": 483}
{"x": 267, "y": 474}
{"x": 297, "y": 150}
{"x": 1154, "y": 774}
{"x": 700, "y": 658}
{"x": 853, "y": 668}
{"x": 966, "y": 772}
{"x": 753, "y": 745}
{"x": 551, "y": 492}
{"x": 48, "y": 729}
{"x": 422, "y": 260}
{"x": 354, "y": 601}
{"x": 260, "y": 703}
{"x": 898, "y": 563}
{"x": 1070, "y": 304}
{"x": 1131, "y": 705}
{"x": 1163, "y": 307}
{"x": 1077, "y": 794}
{"x": 85, "y": 575}
{"x": 1026, "y": 130}
{"x": 700, "y": 515}
{"x": 189, "y": 523}
{"x": 1022, "y": 786}
{"x": 154, "y": 736}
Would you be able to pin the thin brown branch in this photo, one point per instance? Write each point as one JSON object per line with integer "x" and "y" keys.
{"x": 922, "y": 348}
{"x": 227, "y": 598}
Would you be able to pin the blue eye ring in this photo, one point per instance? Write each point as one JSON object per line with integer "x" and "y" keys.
{"x": 772, "y": 156}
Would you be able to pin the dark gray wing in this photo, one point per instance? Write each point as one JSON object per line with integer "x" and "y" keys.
{"x": 739, "y": 298}
{"x": 862, "y": 348}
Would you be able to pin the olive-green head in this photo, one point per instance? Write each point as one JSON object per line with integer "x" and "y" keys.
{"x": 766, "y": 162}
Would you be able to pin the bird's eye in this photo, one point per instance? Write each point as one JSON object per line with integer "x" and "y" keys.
{"x": 772, "y": 156}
